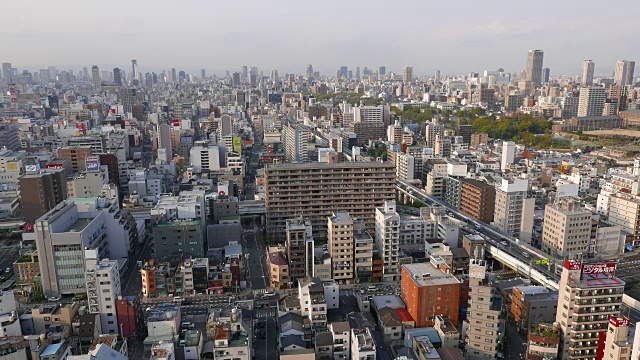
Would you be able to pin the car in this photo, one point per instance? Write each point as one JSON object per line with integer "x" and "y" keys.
{"x": 187, "y": 325}
{"x": 8, "y": 270}
{"x": 526, "y": 255}
{"x": 54, "y": 298}
{"x": 178, "y": 298}
{"x": 183, "y": 342}
{"x": 504, "y": 243}
{"x": 372, "y": 288}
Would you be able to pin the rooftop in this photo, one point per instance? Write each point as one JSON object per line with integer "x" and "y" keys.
{"x": 425, "y": 274}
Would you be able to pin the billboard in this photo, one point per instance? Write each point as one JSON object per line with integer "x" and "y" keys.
{"x": 176, "y": 122}
{"x": 619, "y": 321}
{"x": 32, "y": 168}
{"x": 12, "y": 166}
{"x": 599, "y": 268}
{"x": 82, "y": 127}
{"x": 237, "y": 145}
{"x": 572, "y": 264}
{"x": 54, "y": 166}
{"x": 127, "y": 123}
{"x": 92, "y": 163}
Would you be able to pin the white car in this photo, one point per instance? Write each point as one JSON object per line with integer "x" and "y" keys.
{"x": 54, "y": 298}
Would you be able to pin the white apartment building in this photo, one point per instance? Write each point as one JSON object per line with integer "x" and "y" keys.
{"x": 363, "y": 251}
{"x": 88, "y": 184}
{"x": 566, "y": 229}
{"x": 341, "y": 332}
{"x": 485, "y": 326}
{"x": 204, "y": 157}
{"x": 405, "y": 167}
{"x": 415, "y": 230}
{"x": 362, "y": 345}
{"x": 589, "y": 295}
{"x": 296, "y": 142}
{"x": 624, "y": 211}
{"x": 508, "y": 154}
{"x": 591, "y": 101}
{"x": 388, "y": 239}
{"x": 103, "y": 289}
{"x": 313, "y": 303}
{"x": 616, "y": 344}
{"x": 394, "y": 133}
{"x": 368, "y": 113}
{"x": 513, "y": 214}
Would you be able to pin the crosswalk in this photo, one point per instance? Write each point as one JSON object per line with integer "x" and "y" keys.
{"x": 269, "y": 314}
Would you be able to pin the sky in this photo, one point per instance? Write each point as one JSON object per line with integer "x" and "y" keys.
{"x": 456, "y": 37}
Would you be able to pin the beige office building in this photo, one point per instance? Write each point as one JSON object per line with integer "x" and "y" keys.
{"x": 567, "y": 229}
{"x": 340, "y": 231}
{"x": 316, "y": 190}
{"x": 589, "y": 295}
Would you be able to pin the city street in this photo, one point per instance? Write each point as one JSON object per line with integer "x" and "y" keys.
{"x": 131, "y": 281}
{"x": 265, "y": 325}
{"x": 255, "y": 262}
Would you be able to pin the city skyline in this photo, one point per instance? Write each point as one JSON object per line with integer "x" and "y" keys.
{"x": 279, "y": 36}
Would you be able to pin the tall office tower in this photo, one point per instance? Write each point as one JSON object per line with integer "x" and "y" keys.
{"x": 62, "y": 238}
{"x": 235, "y": 80}
{"x": 41, "y": 191}
{"x": 309, "y": 71}
{"x": 357, "y": 72}
{"x": 624, "y": 72}
{"x": 407, "y": 74}
{"x": 182, "y": 76}
{"x": 274, "y": 75}
{"x": 431, "y": 132}
{"x": 128, "y": 98}
{"x": 591, "y": 101}
{"x": 566, "y": 229}
{"x": 436, "y": 78}
{"x": 203, "y": 74}
{"x": 382, "y": 71}
{"x": 299, "y": 247}
{"x": 589, "y": 294}
{"x": 388, "y": 239}
{"x": 134, "y": 72}
{"x": 369, "y": 183}
{"x": 85, "y": 73}
{"x": 341, "y": 247}
{"x": 508, "y": 154}
{"x": 344, "y": 72}
{"x": 513, "y": 213}
{"x": 244, "y": 72}
{"x": 485, "y": 328}
{"x": 533, "y": 72}
{"x": 546, "y": 74}
{"x": 6, "y": 72}
{"x": 588, "y": 67}
{"x": 174, "y": 76}
{"x": 44, "y": 76}
{"x": 95, "y": 72}
{"x": 164, "y": 141}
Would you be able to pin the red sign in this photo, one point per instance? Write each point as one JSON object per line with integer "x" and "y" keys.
{"x": 599, "y": 268}
{"x": 127, "y": 123}
{"x": 572, "y": 264}
{"x": 54, "y": 166}
{"x": 82, "y": 127}
{"x": 619, "y": 321}
{"x": 176, "y": 122}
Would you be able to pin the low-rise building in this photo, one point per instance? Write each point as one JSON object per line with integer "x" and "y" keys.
{"x": 362, "y": 345}
{"x": 543, "y": 342}
{"x": 533, "y": 305}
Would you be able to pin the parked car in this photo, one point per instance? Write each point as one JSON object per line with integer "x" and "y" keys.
{"x": 54, "y": 298}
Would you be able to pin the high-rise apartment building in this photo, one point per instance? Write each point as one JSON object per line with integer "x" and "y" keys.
{"x": 432, "y": 130}
{"x": 478, "y": 199}
{"x": 41, "y": 191}
{"x": 624, "y": 72}
{"x": 533, "y": 72}
{"x": 624, "y": 211}
{"x": 407, "y": 75}
{"x": 102, "y": 277}
{"x": 588, "y": 67}
{"x": 485, "y": 326}
{"x": 513, "y": 213}
{"x": 566, "y": 229}
{"x": 296, "y": 142}
{"x": 591, "y": 101}
{"x": 301, "y": 190}
{"x": 95, "y": 77}
{"x": 546, "y": 75}
{"x": 299, "y": 249}
{"x": 388, "y": 239}
{"x": 128, "y": 98}
{"x": 508, "y": 154}
{"x": 589, "y": 294}
{"x": 616, "y": 339}
{"x": 341, "y": 247}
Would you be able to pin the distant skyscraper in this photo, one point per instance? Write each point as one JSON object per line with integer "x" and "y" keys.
{"x": 344, "y": 72}
{"x": 95, "y": 72}
{"x": 245, "y": 72}
{"x": 174, "y": 76}
{"x": 407, "y": 74}
{"x": 134, "y": 70}
{"x": 309, "y": 71}
{"x": 624, "y": 72}
{"x": 182, "y": 76}
{"x": 546, "y": 74}
{"x": 6, "y": 71}
{"x": 382, "y": 71}
{"x": 533, "y": 72}
{"x": 235, "y": 81}
{"x": 357, "y": 72}
{"x": 588, "y": 67}
{"x": 203, "y": 74}
{"x": 437, "y": 76}
{"x": 274, "y": 75}
{"x": 85, "y": 72}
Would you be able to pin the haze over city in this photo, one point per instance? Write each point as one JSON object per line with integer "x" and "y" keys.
{"x": 455, "y": 37}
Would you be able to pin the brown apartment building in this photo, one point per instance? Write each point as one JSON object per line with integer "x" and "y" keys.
{"x": 41, "y": 192}
{"x": 76, "y": 156}
{"x": 429, "y": 292}
{"x": 317, "y": 190}
{"x": 478, "y": 199}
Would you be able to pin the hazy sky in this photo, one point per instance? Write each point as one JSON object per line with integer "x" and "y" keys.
{"x": 455, "y": 36}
